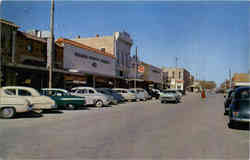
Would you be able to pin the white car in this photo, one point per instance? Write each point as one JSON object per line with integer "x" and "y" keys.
{"x": 38, "y": 102}
{"x": 125, "y": 93}
{"x": 92, "y": 97}
{"x": 10, "y": 104}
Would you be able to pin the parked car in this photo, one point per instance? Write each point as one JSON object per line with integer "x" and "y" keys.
{"x": 63, "y": 98}
{"x": 175, "y": 92}
{"x": 116, "y": 98}
{"x": 92, "y": 97}
{"x": 38, "y": 101}
{"x": 153, "y": 94}
{"x": 228, "y": 100}
{"x": 239, "y": 109}
{"x": 11, "y": 104}
{"x": 140, "y": 93}
{"x": 126, "y": 94}
{"x": 169, "y": 96}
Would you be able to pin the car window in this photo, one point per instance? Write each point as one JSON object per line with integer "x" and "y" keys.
{"x": 82, "y": 91}
{"x": 91, "y": 91}
{"x": 244, "y": 94}
{"x": 124, "y": 91}
{"x": 10, "y": 91}
{"x": 22, "y": 92}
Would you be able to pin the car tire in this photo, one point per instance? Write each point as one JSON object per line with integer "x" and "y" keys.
{"x": 98, "y": 103}
{"x": 71, "y": 107}
{"x": 231, "y": 124}
{"x": 7, "y": 112}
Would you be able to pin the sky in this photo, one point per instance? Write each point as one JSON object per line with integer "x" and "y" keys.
{"x": 208, "y": 38}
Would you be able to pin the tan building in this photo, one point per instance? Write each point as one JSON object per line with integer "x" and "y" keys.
{"x": 176, "y": 78}
{"x": 118, "y": 45}
{"x": 241, "y": 79}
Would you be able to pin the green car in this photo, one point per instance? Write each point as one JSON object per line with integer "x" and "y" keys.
{"x": 63, "y": 98}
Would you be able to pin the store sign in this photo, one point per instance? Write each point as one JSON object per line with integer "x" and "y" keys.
{"x": 141, "y": 68}
{"x": 87, "y": 61}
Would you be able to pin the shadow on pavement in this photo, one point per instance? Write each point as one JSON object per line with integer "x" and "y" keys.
{"x": 52, "y": 112}
{"x": 28, "y": 115}
{"x": 241, "y": 126}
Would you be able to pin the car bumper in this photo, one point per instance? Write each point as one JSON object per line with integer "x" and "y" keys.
{"x": 240, "y": 119}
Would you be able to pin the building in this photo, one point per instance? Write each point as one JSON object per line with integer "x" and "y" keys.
{"x": 96, "y": 67}
{"x": 241, "y": 79}
{"x": 146, "y": 76}
{"x": 24, "y": 58}
{"x": 176, "y": 78}
{"x": 118, "y": 45}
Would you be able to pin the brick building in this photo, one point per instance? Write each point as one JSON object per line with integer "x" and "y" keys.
{"x": 176, "y": 78}
{"x": 24, "y": 58}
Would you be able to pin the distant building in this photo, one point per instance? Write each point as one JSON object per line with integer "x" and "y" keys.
{"x": 176, "y": 78}
{"x": 147, "y": 74}
{"x": 39, "y": 33}
{"x": 118, "y": 45}
{"x": 241, "y": 79}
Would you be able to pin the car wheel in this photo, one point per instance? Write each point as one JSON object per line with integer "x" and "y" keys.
{"x": 231, "y": 124}
{"x": 7, "y": 112}
{"x": 162, "y": 101}
{"x": 99, "y": 104}
{"x": 70, "y": 107}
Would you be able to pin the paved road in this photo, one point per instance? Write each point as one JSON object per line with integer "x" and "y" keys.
{"x": 193, "y": 129}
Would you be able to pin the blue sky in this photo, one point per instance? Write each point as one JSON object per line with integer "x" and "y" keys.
{"x": 207, "y": 37}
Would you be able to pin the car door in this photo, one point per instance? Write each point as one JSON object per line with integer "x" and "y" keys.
{"x": 84, "y": 93}
{"x": 35, "y": 100}
{"x": 92, "y": 96}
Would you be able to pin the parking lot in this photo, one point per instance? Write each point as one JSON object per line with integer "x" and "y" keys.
{"x": 191, "y": 129}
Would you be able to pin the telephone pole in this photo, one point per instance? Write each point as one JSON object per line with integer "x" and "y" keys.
{"x": 51, "y": 44}
{"x": 230, "y": 78}
{"x": 135, "y": 67}
{"x": 176, "y": 65}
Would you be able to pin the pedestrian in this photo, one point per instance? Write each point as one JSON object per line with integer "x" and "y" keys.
{"x": 203, "y": 94}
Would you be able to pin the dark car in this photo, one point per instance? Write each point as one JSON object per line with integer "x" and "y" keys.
{"x": 228, "y": 100}
{"x": 153, "y": 93}
{"x": 239, "y": 109}
{"x": 117, "y": 97}
{"x": 63, "y": 98}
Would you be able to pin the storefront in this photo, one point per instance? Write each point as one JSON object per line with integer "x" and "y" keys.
{"x": 95, "y": 68}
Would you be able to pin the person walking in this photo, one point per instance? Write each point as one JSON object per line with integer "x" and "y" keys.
{"x": 203, "y": 94}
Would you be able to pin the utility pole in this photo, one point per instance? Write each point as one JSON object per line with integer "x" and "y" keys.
{"x": 136, "y": 68}
{"x": 1, "y": 75}
{"x": 230, "y": 78}
{"x": 176, "y": 60}
{"x": 51, "y": 44}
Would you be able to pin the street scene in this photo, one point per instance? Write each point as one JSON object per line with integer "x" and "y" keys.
{"x": 192, "y": 129}
{"x": 124, "y": 80}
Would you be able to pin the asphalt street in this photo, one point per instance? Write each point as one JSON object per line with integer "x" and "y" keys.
{"x": 192, "y": 129}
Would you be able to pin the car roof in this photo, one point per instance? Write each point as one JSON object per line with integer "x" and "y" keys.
{"x": 82, "y": 88}
{"x": 54, "y": 89}
{"x": 119, "y": 89}
{"x": 239, "y": 89}
{"x": 17, "y": 87}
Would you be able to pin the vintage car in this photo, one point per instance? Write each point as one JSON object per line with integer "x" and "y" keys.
{"x": 125, "y": 93}
{"x": 91, "y": 96}
{"x": 63, "y": 98}
{"x": 10, "y": 104}
{"x": 169, "y": 96}
{"x": 38, "y": 102}
{"x": 239, "y": 109}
